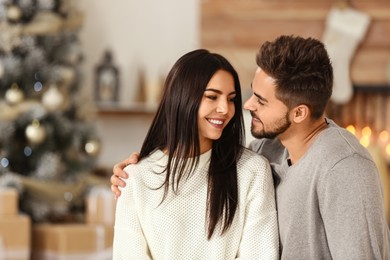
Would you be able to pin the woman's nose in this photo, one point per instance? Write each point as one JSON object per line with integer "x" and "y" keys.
{"x": 222, "y": 107}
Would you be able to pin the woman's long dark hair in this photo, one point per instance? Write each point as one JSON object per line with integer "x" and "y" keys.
{"x": 175, "y": 129}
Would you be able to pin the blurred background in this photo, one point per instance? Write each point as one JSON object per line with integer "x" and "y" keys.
{"x": 80, "y": 82}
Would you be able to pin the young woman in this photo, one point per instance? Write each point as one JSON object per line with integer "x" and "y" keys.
{"x": 197, "y": 193}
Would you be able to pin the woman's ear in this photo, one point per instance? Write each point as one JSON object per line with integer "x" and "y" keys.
{"x": 300, "y": 113}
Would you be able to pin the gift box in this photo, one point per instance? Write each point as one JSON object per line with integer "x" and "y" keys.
{"x": 71, "y": 242}
{"x": 100, "y": 206}
{"x": 8, "y": 201}
{"x": 15, "y": 237}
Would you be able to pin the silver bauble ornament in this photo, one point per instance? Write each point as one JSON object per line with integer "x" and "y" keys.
{"x": 92, "y": 147}
{"x": 52, "y": 98}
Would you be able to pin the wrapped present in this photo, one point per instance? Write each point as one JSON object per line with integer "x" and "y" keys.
{"x": 9, "y": 204}
{"x": 100, "y": 206}
{"x": 71, "y": 242}
{"x": 15, "y": 237}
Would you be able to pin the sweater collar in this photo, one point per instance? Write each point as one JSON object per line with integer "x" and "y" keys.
{"x": 161, "y": 159}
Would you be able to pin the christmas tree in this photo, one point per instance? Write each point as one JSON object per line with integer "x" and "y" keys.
{"x": 48, "y": 142}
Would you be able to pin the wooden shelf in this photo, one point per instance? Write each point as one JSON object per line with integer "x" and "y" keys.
{"x": 150, "y": 110}
{"x": 381, "y": 89}
{"x": 130, "y": 109}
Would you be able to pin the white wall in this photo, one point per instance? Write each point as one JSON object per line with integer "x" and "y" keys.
{"x": 145, "y": 34}
{"x": 121, "y": 135}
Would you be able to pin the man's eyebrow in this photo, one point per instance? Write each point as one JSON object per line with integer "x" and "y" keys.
{"x": 258, "y": 96}
{"x": 219, "y": 92}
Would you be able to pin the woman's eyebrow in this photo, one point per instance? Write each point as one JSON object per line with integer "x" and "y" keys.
{"x": 219, "y": 92}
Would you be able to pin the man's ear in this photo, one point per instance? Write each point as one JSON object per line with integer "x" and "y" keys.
{"x": 300, "y": 113}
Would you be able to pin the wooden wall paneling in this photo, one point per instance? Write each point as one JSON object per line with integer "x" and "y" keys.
{"x": 240, "y": 27}
{"x": 368, "y": 66}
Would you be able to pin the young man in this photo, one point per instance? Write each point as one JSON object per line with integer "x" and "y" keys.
{"x": 328, "y": 190}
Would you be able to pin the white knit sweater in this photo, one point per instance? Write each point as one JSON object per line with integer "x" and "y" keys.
{"x": 177, "y": 228}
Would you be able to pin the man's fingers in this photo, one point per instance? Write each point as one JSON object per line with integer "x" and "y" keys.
{"x": 133, "y": 159}
{"x": 118, "y": 174}
{"x": 116, "y": 191}
{"x": 118, "y": 170}
{"x": 116, "y": 181}
{"x": 113, "y": 179}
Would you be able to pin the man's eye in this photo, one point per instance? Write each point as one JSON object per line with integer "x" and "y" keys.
{"x": 260, "y": 102}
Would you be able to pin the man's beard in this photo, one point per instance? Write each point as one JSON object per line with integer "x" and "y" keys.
{"x": 279, "y": 127}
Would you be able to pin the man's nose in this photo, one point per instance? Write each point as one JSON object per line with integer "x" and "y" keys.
{"x": 249, "y": 103}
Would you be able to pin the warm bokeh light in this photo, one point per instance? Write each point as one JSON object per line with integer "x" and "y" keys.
{"x": 384, "y": 136}
{"x": 388, "y": 149}
{"x": 365, "y": 138}
{"x": 351, "y": 129}
{"x": 365, "y": 141}
{"x": 366, "y": 132}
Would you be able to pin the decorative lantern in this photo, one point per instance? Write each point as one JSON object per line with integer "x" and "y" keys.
{"x": 106, "y": 81}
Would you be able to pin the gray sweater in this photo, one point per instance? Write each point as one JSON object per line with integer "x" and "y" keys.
{"x": 330, "y": 203}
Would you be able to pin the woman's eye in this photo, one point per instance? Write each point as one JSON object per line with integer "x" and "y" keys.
{"x": 211, "y": 97}
{"x": 233, "y": 99}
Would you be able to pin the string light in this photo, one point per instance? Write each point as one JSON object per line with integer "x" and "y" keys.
{"x": 388, "y": 149}
{"x": 384, "y": 136}
{"x": 4, "y": 162}
{"x": 365, "y": 141}
{"x": 366, "y": 132}
{"x": 351, "y": 129}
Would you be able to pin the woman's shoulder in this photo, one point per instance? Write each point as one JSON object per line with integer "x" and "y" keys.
{"x": 251, "y": 157}
{"x": 154, "y": 162}
{"x": 253, "y": 170}
{"x": 252, "y": 162}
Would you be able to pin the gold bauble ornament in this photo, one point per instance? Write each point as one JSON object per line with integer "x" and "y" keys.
{"x": 92, "y": 147}
{"x": 67, "y": 75}
{"x": 35, "y": 133}
{"x": 14, "y": 13}
{"x": 14, "y": 95}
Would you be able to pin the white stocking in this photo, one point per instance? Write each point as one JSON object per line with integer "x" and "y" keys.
{"x": 345, "y": 28}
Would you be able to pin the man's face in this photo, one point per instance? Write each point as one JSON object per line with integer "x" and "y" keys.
{"x": 270, "y": 116}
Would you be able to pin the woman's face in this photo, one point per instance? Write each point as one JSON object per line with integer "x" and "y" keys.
{"x": 216, "y": 108}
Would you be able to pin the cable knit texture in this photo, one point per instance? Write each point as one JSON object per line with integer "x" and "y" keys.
{"x": 177, "y": 228}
